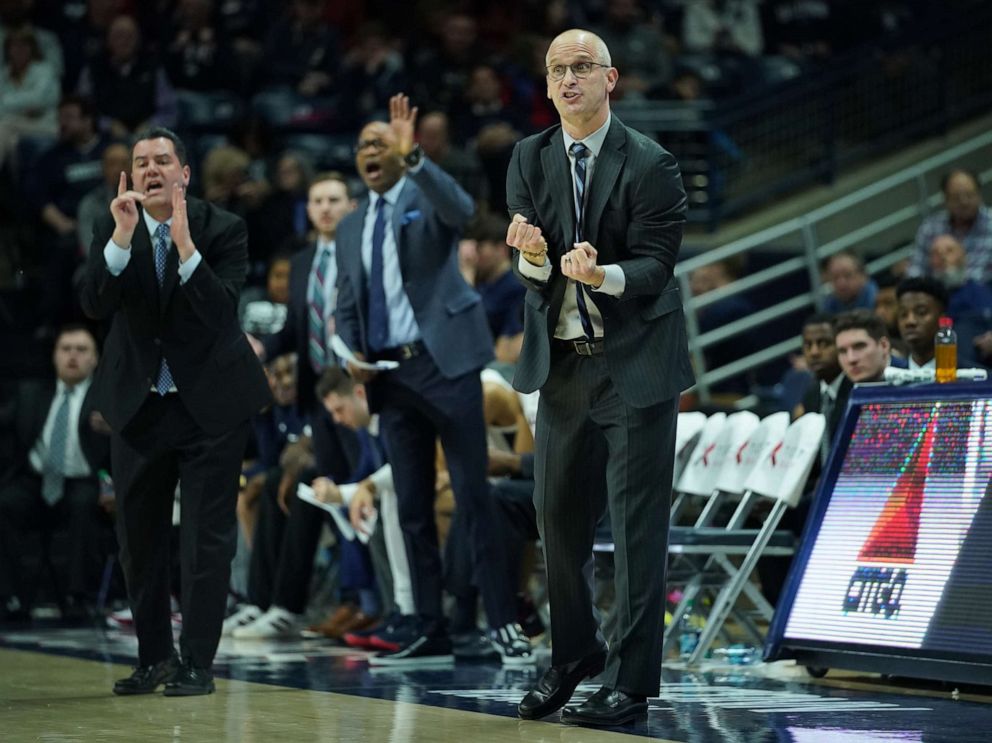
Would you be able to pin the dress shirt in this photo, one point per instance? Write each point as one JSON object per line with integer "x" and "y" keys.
{"x": 569, "y": 325}
{"x": 931, "y": 364}
{"x": 403, "y": 327}
{"x": 118, "y": 257}
{"x": 75, "y": 462}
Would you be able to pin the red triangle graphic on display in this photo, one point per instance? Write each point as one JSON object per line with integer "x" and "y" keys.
{"x": 893, "y": 538}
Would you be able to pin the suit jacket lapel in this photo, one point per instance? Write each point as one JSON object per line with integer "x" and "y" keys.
{"x": 554, "y": 163}
{"x": 195, "y": 213}
{"x": 349, "y": 239}
{"x": 604, "y": 176}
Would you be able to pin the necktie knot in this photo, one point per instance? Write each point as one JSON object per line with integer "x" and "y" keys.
{"x": 579, "y": 151}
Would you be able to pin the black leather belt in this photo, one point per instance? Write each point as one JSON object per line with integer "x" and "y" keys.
{"x": 401, "y": 353}
{"x": 578, "y": 345}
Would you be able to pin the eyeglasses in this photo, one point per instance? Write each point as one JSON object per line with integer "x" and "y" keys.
{"x": 375, "y": 146}
{"x": 580, "y": 69}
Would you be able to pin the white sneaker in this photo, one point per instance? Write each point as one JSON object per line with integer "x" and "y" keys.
{"x": 512, "y": 645}
{"x": 274, "y": 624}
{"x": 245, "y": 615}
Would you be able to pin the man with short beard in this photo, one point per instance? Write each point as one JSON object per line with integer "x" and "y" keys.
{"x": 969, "y": 302}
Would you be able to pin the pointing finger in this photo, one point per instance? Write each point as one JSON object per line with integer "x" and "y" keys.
{"x": 122, "y": 186}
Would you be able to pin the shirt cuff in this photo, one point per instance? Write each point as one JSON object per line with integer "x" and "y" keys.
{"x": 186, "y": 268}
{"x": 382, "y": 478}
{"x": 116, "y": 257}
{"x": 614, "y": 281}
{"x": 538, "y": 273}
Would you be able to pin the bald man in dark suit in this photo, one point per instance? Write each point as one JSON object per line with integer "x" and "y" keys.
{"x": 597, "y": 213}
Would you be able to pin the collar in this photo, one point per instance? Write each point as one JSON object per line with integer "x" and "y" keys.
{"x": 391, "y": 196}
{"x": 833, "y": 388}
{"x": 326, "y": 245}
{"x": 152, "y": 224}
{"x": 594, "y": 141}
{"x": 373, "y": 427}
{"x": 61, "y": 387}
{"x": 931, "y": 364}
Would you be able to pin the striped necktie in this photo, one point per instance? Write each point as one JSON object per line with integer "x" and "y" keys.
{"x": 580, "y": 152}
{"x": 316, "y": 313}
{"x": 164, "y": 381}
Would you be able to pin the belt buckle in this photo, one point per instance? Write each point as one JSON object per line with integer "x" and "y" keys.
{"x": 407, "y": 352}
{"x": 583, "y": 348}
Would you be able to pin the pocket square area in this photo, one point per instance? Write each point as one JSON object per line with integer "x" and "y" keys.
{"x": 411, "y": 215}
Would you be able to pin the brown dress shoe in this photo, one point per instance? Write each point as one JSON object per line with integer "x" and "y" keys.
{"x": 337, "y": 621}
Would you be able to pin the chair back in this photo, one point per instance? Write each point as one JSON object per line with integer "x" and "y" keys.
{"x": 699, "y": 475}
{"x": 783, "y": 468}
{"x": 741, "y": 463}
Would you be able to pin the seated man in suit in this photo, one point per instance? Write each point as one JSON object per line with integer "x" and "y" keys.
{"x": 51, "y": 482}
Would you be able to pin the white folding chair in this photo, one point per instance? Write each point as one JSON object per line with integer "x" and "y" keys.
{"x": 687, "y": 430}
{"x": 780, "y": 475}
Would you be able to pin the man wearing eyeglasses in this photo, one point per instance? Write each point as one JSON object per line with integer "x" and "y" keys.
{"x": 401, "y": 298}
{"x": 597, "y": 212}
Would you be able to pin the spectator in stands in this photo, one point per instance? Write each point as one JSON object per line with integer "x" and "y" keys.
{"x": 263, "y": 311}
{"x": 15, "y": 16}
{"x": 29, "y": 96}
{"x": 887, "y": 308}
{"x": 921, "y": 303}
{"x": 434, "y": 137}
{"x": 850, "y": 286}
{"x": 300, "y": 62}
{"x": 485, "y": 259}
{"x": 722, "y": 312}
{"x": 440, "y": 72}
{"x": 198, "y": 58}
{"x": 51, "y": 482}
{"x": 278, "y": 220}
{"x": 63, "y": 175}
{"x": 485, "y": 102}
{"x": 82, "y": 30}
{"x": 373, "y": 70}
{"x": 127, "y": 84}
{"x": 722, "y": 27}
{"x": 966, "y": 219}
{"x": 225, "y": 171}
{"x": 637, "y": 48}
{"x": 969, "y": 302}
{"x": 863, "y": 347}
{"x": 116, "y": 159}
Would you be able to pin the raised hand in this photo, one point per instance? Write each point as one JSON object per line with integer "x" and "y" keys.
{"x": 179, "y": 229}
{"x": 403, "y": 121}
{"x": 124, "y": 210}
{"x": 527, "y": 238}
{"x": 580, "y": 264}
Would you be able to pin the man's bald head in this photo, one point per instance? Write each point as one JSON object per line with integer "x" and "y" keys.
{"x": 582, "y": 37}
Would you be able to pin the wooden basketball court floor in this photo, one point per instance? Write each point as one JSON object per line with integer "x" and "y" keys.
{"x": 55, "y": 687}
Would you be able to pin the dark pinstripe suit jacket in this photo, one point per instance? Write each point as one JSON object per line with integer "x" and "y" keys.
{"x": 634, "y": 218}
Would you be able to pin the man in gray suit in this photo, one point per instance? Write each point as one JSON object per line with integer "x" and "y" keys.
{"x": 597, "y": 212}
{"x": 401, "y": 298}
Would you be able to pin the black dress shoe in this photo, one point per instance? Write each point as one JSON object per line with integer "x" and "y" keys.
{"x": 147, "y": 679}
{"x": 606, "y": 707}
{"x": 557, "y": 686}
{"x": 190, "y": 682}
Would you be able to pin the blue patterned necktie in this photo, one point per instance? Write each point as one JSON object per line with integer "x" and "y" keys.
{"x": 580, "y": 152}
{"x": 378, "y": 311}
{"x": 53, "y": 472}
{"x": 316, "y": 321}
{"x": 164, "y": 381}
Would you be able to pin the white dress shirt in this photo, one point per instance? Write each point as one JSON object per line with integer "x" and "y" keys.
{"x": 931, "y": 364}
{"x": 118, "y": 256}
{"x": 75, "y": 463}
{"x": 614, "y": 281}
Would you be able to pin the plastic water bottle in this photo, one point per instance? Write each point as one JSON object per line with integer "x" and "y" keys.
{"x": 688, "y": 635}
{"x": 739, "y": 654}
{"x": 946, "y": 351}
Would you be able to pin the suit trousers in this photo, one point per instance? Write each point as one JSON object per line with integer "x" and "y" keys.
{"x": 160, "y": 447}
{"x": 417, "y": 405}
{"x": 585, "y": 430}
{"x": 22, "y": 509}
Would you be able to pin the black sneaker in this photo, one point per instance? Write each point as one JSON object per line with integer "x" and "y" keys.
{"x": 473, "y": 645}
{"x": 147, "y": 679}
{"x": 512, "y": 645}
{"x": 190, "y": 682}
{"x": 423, "y": 650}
